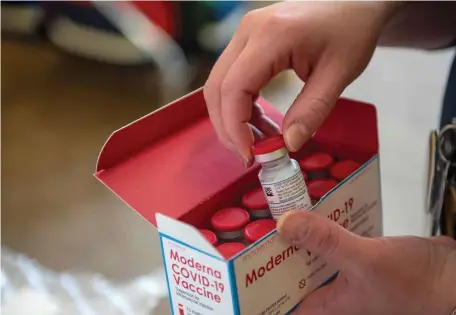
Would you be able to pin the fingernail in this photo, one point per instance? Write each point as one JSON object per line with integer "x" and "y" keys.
{"x": 246, "y": 156}
{"x": 293, "y": 226}
{"x": 245, "y": 159}
{"x": 248, "y": 161}
{"x": 296, "y": 135}
{"x": 283, "y": 220}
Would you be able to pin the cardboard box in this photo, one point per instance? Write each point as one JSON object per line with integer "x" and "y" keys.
{"x": 170, "y": 168}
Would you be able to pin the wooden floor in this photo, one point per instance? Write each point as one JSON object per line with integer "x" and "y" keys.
{"x": 57, "y": 111}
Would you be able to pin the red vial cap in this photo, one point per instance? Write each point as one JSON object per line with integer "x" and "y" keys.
{"x": 342, "y": 169}
{"x": 210, "y": 236}
{"x": 255, "y": 200}
{"x": 268, "y": 145}
{"x": 319, "y": 187}
{"x": 230, "y": 219}
{"x": 228, "y": 250}
{"x": 316, "y": 162}
{"x": 257, "y": 229}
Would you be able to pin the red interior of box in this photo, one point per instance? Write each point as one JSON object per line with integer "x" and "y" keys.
{"x": 172, "y": 163}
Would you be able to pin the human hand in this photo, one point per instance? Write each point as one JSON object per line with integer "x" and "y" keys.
{"x": 378, "y": 276}
{"x": 327, "y": 45}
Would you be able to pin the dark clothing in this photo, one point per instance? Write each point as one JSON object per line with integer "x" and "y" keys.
{"x": 449, "y": 101}
{"x": 448, "y": 115}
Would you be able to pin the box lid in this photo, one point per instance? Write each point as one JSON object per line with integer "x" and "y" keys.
{"x": 171, "y": 161}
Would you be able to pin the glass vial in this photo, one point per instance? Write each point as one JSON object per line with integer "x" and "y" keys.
{"x": 281, "y": 177}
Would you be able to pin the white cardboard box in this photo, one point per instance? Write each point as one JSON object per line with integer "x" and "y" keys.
{"x": 170, "y": 168}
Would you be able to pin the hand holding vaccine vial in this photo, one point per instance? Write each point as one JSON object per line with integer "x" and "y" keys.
{"x": 281, "y": 177}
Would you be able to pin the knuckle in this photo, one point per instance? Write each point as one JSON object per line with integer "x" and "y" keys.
{"x": 323, "y": 106}
{"x": 257, "y": 110}
{"x": 264, "y": 20}
{"x": 329, "y": 242}
{"x": 250, "y": 17}
{"x": 227, "y": 86}
{"x": 275, "y": 25}
{"x": 320, "y": 109}
{"x": 272, "y": 21}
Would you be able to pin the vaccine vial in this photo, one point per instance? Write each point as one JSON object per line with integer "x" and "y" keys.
{"x": 255, "y": 202}
{"x": 342, "y": 169}
{"x": 281, "y": 177}
{"x": 257, "y": 229}
{"x": 316, "y": 165}
{"x": 229, "y": 224}
{"x": 229, "y": 250}
{"x": 320, "y": 187}
{"x": 210, "y": 236}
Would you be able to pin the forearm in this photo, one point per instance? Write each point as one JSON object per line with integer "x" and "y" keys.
{"x": 427, "y": 25}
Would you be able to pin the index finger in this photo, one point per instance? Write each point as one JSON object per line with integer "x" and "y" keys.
{"x": 214, "y": 82}
{"x": 252, "y": 70}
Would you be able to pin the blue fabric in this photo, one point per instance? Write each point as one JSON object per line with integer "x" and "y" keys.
{"x": 449, "y": 101}
{"x": 220, "y": 9}
{"x": 87, "y": 16}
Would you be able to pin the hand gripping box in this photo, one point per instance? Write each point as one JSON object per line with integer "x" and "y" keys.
{"x": 170, "y": 168}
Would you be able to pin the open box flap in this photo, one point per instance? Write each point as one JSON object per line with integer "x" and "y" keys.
{"x": 171, "y": 161}
{"x": 189, "y": 234}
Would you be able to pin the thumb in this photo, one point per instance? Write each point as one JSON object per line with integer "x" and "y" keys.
{"x": 323, "y": 237}
{"x": 319, "y": 302}
{"x": 312, "y": 105}
{"x": 328, "y": 300}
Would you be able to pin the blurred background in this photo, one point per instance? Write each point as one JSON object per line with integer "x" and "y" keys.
{"x": 72, "y": 72}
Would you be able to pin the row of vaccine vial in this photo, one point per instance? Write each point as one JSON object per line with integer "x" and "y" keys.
{"x": 286, "y": 185}
{"x": 233, "y": 229}
{"x": 323, "y": 173}
{"x": 291, "y": 185}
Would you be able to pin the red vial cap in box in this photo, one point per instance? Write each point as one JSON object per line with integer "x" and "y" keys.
{"x": 316, "y": 162}
{"x": 257, "y": 229}
{"x": 268, "y": 145}
{"x": 341, "y": 170}
{"x": 319, "y": 187}
{"x": 255, "y": 200}
{"x": 230, "y": 219}
{"x": 228, "y": 250}
{"x": 210, "y": 236}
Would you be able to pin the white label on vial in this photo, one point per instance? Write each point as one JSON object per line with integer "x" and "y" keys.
{"x": 288, "y": 194}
